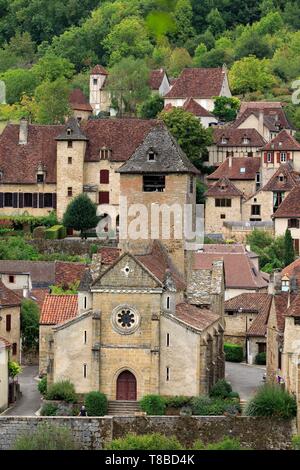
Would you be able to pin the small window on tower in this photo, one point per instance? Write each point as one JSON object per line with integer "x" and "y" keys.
{"x": 40, "y": 178}
{"x": 70, "y": 144}
{"x": 95, "y": 81}
{"x": 104, "y": 153}
{"x": 151, "y": 156}
{"x": 70, "y": 192}
{"x": 69, "y": 131}
{"x": 70, "y": 160}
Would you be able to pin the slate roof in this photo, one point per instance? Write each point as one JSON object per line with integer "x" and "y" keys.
{"x": 8, "y": 298}
{"x": 58, "y": 308}
{"x": 290, "y": 181}
{"x": 235, "y": 137}
{"x": 76, "y": 133}
{"x": 283, "y": 141}
{"x": 169, "y": 158}
{"x": 99, "y": 70}
{"x": 222, "y": 188}
{"x": 199, "y": 318}
{"x": 78, "y": 101}
{"x": 156, "y": 77}
{"x": 198, "y": 83}
{"x": 290, "y": 206}
{"x": 251, "y": 166}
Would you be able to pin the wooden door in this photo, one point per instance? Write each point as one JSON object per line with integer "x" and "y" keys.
{"x": 126, "y": 386}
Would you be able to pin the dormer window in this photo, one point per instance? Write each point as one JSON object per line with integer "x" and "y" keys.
{"x": 224, "y": 140}
{"x": 285, "y": 284}
{"x": 280, "y": 144}
{"x": 281, "y": 178}
{"x": 151, "y": 156}
{"x": 40, "y": 178}
{"x": 242, "y": 170}
{"x": 104, "y": 153}
{"x": 1, "y": 176}
{"x": 69, "y": 131}
{"x": 246, "y": 141}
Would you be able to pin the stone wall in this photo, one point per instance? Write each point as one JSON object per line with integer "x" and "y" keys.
{"x": 72, "y": 247}
{"x": 93, "y": 433}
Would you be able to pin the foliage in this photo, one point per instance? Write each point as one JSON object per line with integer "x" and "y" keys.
{"x": 153, "y": 405}
{"x": 53, "y": 101}
{"x": 47, "y": 437}
{"x": 49, "y": 409}
{"x": 296, "y": 442}
{"x": 233, "y": 352}
{"x": 261, "y": 358}
{"x": 81, "y": 214}
{"x": 63, "y": 390}
{"x": 154, "y": 441}
{"x": 201, "y": 188}
{"x": 272, "y": 401}
{"x": 227, "y": 443}
{"x": 96, "y": 404}
{"x": 30, "y": 316}
{"x": 273, "y": 253}
{"x": 251, "y": 74}
{"x": 69, "y": 289}
{"x": 289, "y": 251}
{"x": 151, "y": 107}
{"x": 211, "y": 406}
{"x": 226, "y": 108}
{"x": 177, "y": 401}
{"x": 179, "y": 60}
{"x": 42, "y": 385}
{"x": 221, "y": 389}
{"x": 14, "y": 369}
{"x": 56, "y": 232}
{"x": 18, "y": 82}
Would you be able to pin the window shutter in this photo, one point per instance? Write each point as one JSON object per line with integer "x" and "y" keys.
{"x": 288, "y": 156}
{"x": 104, "y": 197}
{"x": 8, "y": 323}
{"x": 1, "y": 199}
{"x": 272, "y": 157}
{"x": 41, "y": 200}
{"x": 15, "y": 200}
{"x": 104, "y": 176}
{"x": 21, "y": 200}
{"x": 54, "y": 200}
{"x": 34, "y": 200}
{"x": 278, "y": 157}
{"x": 266, "y": 157}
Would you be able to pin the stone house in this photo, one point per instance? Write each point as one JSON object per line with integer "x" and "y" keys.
{"x": 10, "y": 320}
{"x": 100, "y": 99}
{"x": 5, "y": 347}
{"x": 159, "y": 82}
{"x": 201, "y": 84}
{"x": 287, "y": 217}
{"x": 206, "y": 118}
{"x": 80, "y": 106}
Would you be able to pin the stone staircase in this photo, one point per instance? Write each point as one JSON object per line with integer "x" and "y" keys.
{"x": 123, "y": 408}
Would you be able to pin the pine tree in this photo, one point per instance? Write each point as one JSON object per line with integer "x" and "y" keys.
{"x": 289, "y": 252}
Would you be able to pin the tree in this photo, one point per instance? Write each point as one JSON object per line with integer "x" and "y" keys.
{"x": 252, "y": 43}
{"x": 51, "y": 67}
{"x": 251, "y": 74}
{"x": 81, "y": 214}
{"x": 215, "y": 22}
{"x": 30, "y": 316}
{"x": 128, "y": 84}
{"x": 19, "y": 82}
{"x": 52, "y": 99}
{"x": 289, "y": 252}
{"x": 189, "y": 133}
{"x": 151, "y": 107}
{"x": 226, "y": 108}
{"x": 14, "y": 369}
{"x": 183, "y": 16}
{"x": 179, "y": 60}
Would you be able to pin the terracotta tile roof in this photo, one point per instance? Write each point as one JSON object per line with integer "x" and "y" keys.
{"x": 42, "y": 273}
{"x": 293, "y": 271}
{"x": 242, "y": 168}
{"x": 245, "y": 277}
{"x": 38, "y": 296}
{"x": 222, "y": 188}
{"x": 291, "y": 179}
{"x": 99, "y": 70}
{"x": 294, "y": 309}
{"x": 195, "y": 108}
{"x": 198, "y": 83}
{"x": 283, "y": 141}
{"x": 225, "y": 248}
{"x": 199, "y": 318}
{"x": 274, "y": 119}
{"x": 4, "y": 343}
{"x": 290, "y": 206}
{"x": 281, "y": 302}
{"x": 68, "y": 273}
{"x": 8, "y": 298}
{"x": 58, "y": 309}
{"x": 78, "y": 101}
{"x": 109, "y": 255}
{"x": 19, "y": 163}
{"x": 156, "y": 77}
{"x": 259, "y": 105}
{"x": 235, "y": 137}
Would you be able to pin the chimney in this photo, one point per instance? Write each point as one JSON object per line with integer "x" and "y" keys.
{"x": 23, "y": 132}
{"x": 261, "y": 122}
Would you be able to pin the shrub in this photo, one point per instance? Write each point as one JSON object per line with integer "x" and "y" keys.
{"x": 178, "y": 401}
{"x": 272, "y": 400}
{"x": 261, "y": 358}
{"x": 42, "y": 386}
{"x": 226, "y": 444}
{"x": 206, "y": 406}
{"x": 233, "y": 352}
{"x": 56, "y": 232}
{"x": 48, "y": 409}
{"x": 96, "y": 404}
{"x": 145, "y": 442}
{"x": 47, "y": 437}
{"x": 63, "y": 390}
{"x": 39, "y": 232}
{"x": 234, "y": 395}
{"x": 221, "y": 389}
{"x": 154, "y": 405}
{"x": 296, "y": 442}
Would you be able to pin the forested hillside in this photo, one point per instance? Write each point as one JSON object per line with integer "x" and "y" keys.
{"x": 49, "y": 46}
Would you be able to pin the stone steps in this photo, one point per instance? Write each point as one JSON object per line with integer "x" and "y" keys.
{"x": 123, "y": 408}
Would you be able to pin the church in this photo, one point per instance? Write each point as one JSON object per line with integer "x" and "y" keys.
{"x": 147, "y": 318}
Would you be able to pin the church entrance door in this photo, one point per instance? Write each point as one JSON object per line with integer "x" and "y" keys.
{"x": 126, "y": 386}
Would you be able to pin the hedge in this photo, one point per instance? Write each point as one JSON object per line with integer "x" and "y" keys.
{"x": 63, "y": 390}
{"x": 153, "y": 405}
{"x": 233, "y": 352}
{"x": 56, "y": 232}
{"x": 261, "y": 359}
{"x": 96, "y": 404}
{"x": 206, "y": 406}
{"x": 221, "y": 389}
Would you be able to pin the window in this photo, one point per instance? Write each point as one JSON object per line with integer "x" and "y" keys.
{"x": 257, "y": 181}
{"x": 69, "y": 131}
{"x": 14, "y": 349}
{"x": 262, "y": 348}
{"x": 283, "y": 157}
{"x": 85, "y": 337}
{"x": 70, "y": 160}
{"x": 277, "y": 199}
{"x": 285, "y": 285}
{"x": 223, "y": 202}
{"x": 222, "y": 216}
{"x": 85, "y": 302}
{"x": 27, "y": 199}
{"x": 151, "y": 156}
{"x": 8, "y": 199}
{"x": 48, "y": 200}
{"x": 242, "y": 170}
{"x": 168, "y": 303}
{"x": 70, "y": 192}
{"x": 95, "y": 81}
{"x": 8, "y": 322}
{"x": 40, "y": 178}
{"x": 191, "y": 185}
{"x": 104, "y": 153}
{"x": 104, "y": 197}
{"x": 250, "y": 154}
{"x": 297, "y": 320}
{"x": 11, "y": 279}
{"x": 246, "y": 141}
{"x": 281, "y": 178}
{"x": 84, "y": 371}
{"x": 223, "y": 140}
{"x": 154, "y": 183}
{"x": 168, "y": 340}
{"x": 104, "y": 176}
{"x": 167, "y": 374}
{"x": 293, "y": 223}
{"x": 70, "y": 144}
{"x": 255, "y": 209}
{"x": 269, "y": 157}
{"x": 230, "y": 313}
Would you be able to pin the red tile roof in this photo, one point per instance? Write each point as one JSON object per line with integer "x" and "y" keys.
{"x": 99, "y": 70}
{"x": 222, "y": 188}
{"x": 283, "y": 141}
{"x": 156, "y": 77}
{"x": 291, "y": 179}
{"x": 294, "y": 309}
{"x": 58, "y": 309}
{"x": 259, "y": 105}
{"x": 195, "y": 108}
{"x": 290, "y": 206}
{"x": 38, "y": 296}
{"x": 109, "y": 255}
{"x": 78, "y": 101}
{"x": 292, "y": 270}
{"x": 281, "y": 302}
{"x": 198, "y": 83}
{"x": 235, "y": 137}
{"x": 4, "y": 343}
{"x": 68, "y": 273}
{"x": 8, "y": 298}
{"x": 242, "y": 168}
{"x": 273, "y": 118}
{"x": 199, "y": 318}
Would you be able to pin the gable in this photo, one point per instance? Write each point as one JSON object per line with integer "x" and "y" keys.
{"x": 127, "y": 272}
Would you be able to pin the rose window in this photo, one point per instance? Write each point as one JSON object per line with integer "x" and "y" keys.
{"x": 126, "y": 318}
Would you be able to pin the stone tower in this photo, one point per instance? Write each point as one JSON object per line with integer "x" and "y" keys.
{"x": 99, "y": 97}
{"x": 161, "y": 179}
{"x": 71, "y": 147}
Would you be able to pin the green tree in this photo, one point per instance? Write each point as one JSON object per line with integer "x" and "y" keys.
{"x": 179, "y": 60}
{"x": 151, "y": 107}
{"x": 183, "y": 16}
{"x": 30, "y": 316}
{"x": 128, "y": 84}
{"x": 200, "y": 51}
{"x": 289, "y": 252}
{"x": 14, "y": 369}
{"x": 22, "y": 46}
{"x": 189, "y": 133}
{"x": 251, "y": 74}
{"x": 52, "y": 99}
{"x": 81, "y": 214}
{"x": 215, "y": 22}
{"x": 252, "y": 43}
{"x": 18, "y": 82}
{"x": 226, "y": 108}
{"x": 51, "y": 67}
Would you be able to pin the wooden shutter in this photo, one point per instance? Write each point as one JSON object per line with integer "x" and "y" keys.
{"x": 104, "y": 197}
{"x": 34, "y": 200}
{"x": 21, "y": 200}
{"x": 8, "y": 323}
{"x": 266, "y": 157}
{"x": 14, "y": 349}
{"x": 41, "y": 200}
{"x": 272, "y": 157}
{"x": 288, "y": 156}
{"x": 104, "y": 176}
{"x": 296, "y": 245}
{"x": 278, "y": 157}
{"x": 1, "y": 199}
{"x": 15, "y": 200}
{"x": 54, "y": 200}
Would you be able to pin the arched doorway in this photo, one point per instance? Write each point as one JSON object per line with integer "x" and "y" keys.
{"x": 126, "y": 386}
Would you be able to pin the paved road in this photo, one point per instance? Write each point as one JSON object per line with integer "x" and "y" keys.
{"x": 31, "y": 399}
{"x": 244, "y": 378}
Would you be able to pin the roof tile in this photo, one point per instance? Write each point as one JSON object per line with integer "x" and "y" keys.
{"x": 58, "y": 309}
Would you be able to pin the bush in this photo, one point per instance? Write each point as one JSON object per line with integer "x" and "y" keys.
{"x": 39, "y": 232}
{"x": 296, "y": 442}
{"x": 49, "y": 409}
{"x": 261, "y": 359}
{"x": 56, "y": 232}
{"x": 145, "y": 442}
{"x": 47, "y": 437}
{"x": 42, "y": 386}
{"x": 96, "y": 404}
{"x": 233, "y": 352}
{"x": 206, "y": 406}
{"x": 272, "y": 401}
{"x": 221, "y": 389}
{"x": 63, "y": 390}
{"x": 153, "y": 405}
{"x": 177, "y": 402}
{"x": 226, "y": 444}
